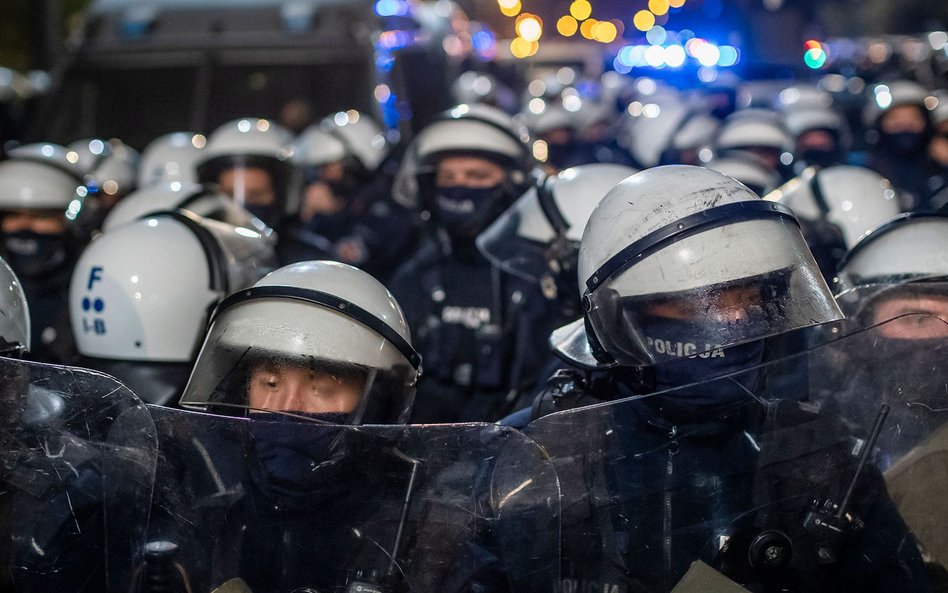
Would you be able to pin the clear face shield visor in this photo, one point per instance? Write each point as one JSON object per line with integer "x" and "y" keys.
{"x": 707, "y": 285}
{"x": 275, "y": 354}
{"x": 525, "y": 242}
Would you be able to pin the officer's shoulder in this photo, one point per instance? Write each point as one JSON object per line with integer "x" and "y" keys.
{"x": 428, "y": 255}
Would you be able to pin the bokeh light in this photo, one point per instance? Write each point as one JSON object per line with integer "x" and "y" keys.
{"x": 604, "y": 32}
{"x": 580, "y": 9}
{"x": 643, "y": 20}
{"x": 512, "y": 10}
{"x": 529, "y": 27}
{"x": 567, "y": 26}
{"x": 521, "y": 48}
{"x": 586, "y": 28}
{"x": 658, "y": 7}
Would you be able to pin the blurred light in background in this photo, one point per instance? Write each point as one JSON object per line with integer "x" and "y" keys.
{"x": 567, "y": 26}
{"x": 580, "y": 10}
{"x": 529, "y": 27}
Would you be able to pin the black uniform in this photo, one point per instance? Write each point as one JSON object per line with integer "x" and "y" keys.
{"x": 481, "y": 333}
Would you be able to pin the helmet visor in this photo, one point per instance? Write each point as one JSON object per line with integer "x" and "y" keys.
{"x": 280, "y": 355}
{"x": 518, "y": 242}
{"x": 722, "y": 287}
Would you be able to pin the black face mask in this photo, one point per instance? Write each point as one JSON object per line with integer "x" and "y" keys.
{"x": 295, "y": 456}
{"x": 709, "y": 363}
{"x": 34, "y": 255}
{"x": 904, "y": 143}
{"x": 822, "y": 158}
{"x": 463, "y": 212}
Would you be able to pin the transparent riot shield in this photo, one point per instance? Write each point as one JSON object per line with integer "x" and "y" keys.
{"x": 770, "y": 479}
{"x": 244, "y": 504}
{"x": 77, "y": 460}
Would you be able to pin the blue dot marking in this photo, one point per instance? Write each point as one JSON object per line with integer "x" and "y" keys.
{"x": 99, "y": 305}
{"x": 86, "y": 305}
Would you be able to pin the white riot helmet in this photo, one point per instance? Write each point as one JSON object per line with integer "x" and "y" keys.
{"x": 690, "y": 238}
{"x": 142, "y": 293}
{"x": 800, "y": 121}
{"x": 752, "y": 129}
{"x": 363, "y": 138}
{"x": 649, "y": 128}
{"x": 539, "y": 235}
{"x": 696, "y": 131}
{"x": 803, "y": 96}
{"x": 204, "y": 200}
{"x": 109, "y": 167}
{"x": 477, "y": 130}
{"x": 882, "y": 97}
{"x": 248, "y": 144}
{"x": 910, "y": 247}
{"x": 326, "y": 317}
{"x": 172, "y": 157}
{"x": 14, "y": 314}
{"x": 854, "y": 199}
{"x": 474, "y": 88}
{"x": 345, "y": 134}
{"x": 39, "y": 177}
{"x": 746, "y": 168}
{"x": 899, "y": 270}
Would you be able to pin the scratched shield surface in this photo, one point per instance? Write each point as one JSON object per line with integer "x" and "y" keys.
{"x": 78, "y": 453}
{"x": 297, "y": 505}
{"x": 839, "y": 445}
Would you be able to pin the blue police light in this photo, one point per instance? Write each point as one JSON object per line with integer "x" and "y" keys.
{"x": 483, "y": 41}
{"x": 391, "y": 7}
{"x": 621, "y": 67}
{"x": 625, "y": 56}
{"x": 384, "y": 62}
{"x": 395, "y": 39}
{"x": 730, "y": 56}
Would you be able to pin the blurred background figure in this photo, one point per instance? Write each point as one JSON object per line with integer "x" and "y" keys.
{"x": 142, "y": 293}
{"x": 480, "y": 332}
{"x": 38, "y": 207}
{"x": 821, "y": 137}
{"x": 110, "y": 172}
{"x": 837, "y": 207}
{"x": 938, "y": 148}
{"x": 760, "y": 132}
{"x": 747, "y": 168}
{"x": 897, "y": 116}
{"x": 346, "y": 212}
{"x": 249, "y": 159}
{"x": 473, "y": 88}
{"x": 171, "y": 157}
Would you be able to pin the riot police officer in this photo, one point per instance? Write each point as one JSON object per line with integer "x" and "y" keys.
{"x": 480, "y": 331}
{"x": 39, "y": 202}
{"x": 346, "y": 209}
{"x": 898, "y": 120}
{"x": 892, "y": 287}
{"x": 702, "y": 461}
